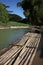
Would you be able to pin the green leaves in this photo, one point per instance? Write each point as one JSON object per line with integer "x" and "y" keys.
{"x": 27, "y": 13}
{"x": 32, "y": 9}
{"x": 3, "y": 13}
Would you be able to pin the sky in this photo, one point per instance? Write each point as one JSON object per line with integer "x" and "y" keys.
{"x": 13, "y": 7}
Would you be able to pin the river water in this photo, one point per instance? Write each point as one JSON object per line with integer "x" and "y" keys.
{"x": 11, "y": 35}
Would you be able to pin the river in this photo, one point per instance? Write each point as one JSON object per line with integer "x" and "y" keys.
{"x": 11, "y": 35}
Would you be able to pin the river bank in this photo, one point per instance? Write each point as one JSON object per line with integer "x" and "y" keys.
{"x": 13, "y": 27}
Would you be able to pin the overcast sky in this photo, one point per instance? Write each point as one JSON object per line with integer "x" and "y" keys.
{"x": 13, "y": 7}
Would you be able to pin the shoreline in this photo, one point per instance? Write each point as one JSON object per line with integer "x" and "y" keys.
{"x": 17, "y": 27}
{"x": 13, "y": 27}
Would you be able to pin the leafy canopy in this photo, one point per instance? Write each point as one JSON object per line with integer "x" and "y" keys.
{"x": 33, "y": 10}
{"x": 3, "y": 13}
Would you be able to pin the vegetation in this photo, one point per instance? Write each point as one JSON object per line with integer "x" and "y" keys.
{"x": 7, "y": 19}
{"x": 14, "y": 17}
{"x": 33, "y": 11}
{"x": 3, "y": 13}
{"x": 12, "y": 23}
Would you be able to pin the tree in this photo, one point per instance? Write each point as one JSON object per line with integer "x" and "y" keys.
{"x": 32, "y": 10}
{"x": 3, "y": 13}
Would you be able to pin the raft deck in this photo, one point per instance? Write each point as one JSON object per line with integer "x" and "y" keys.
{"x": 23, "y": 52}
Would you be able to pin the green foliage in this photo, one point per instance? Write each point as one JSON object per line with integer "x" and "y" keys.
{"x": 13, "y": 23}
{"x": 14, "y": 17}
{"x": 3, "y": 13}
{"x": 33, "y": 10}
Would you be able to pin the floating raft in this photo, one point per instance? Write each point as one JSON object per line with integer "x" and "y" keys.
{"x": 23, "y": 52}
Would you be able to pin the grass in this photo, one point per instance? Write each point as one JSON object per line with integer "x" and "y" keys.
{"x": 11, "y": 23}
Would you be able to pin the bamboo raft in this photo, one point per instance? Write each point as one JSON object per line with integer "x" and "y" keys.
{"x": 23, "y": 52}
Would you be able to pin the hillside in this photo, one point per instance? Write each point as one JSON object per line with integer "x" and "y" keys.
{"x": 14, "y": 17}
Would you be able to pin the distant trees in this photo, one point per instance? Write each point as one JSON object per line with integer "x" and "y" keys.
{"x": 3, "y": 13}
{"x": 14, "y": 17}
{"x": 6, "y": 15}
{"x": 33, "y": 10}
